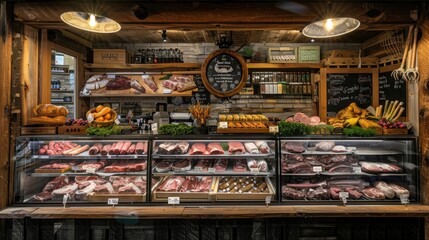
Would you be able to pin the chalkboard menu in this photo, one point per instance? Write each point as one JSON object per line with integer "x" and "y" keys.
{"x": 202, "y": 95}
{"x": 391, "y": 89}
{"x": 224, "y": 73}
{"x": 345, "y": 88}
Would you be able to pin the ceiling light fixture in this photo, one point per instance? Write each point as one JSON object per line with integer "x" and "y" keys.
{"x": 331, "y": 27}
{"x": 164, "y": 35}
{"x": 90, "y": 22}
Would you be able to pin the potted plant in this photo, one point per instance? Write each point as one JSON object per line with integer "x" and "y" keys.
{"x": 247, "y": 53}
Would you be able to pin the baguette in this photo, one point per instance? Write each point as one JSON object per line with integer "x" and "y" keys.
{"x": 50, "y": 110}
{"x": 44, "y": 120}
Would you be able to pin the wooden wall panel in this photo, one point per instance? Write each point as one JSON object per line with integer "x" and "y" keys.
{"x": 44, "y": 70}
{"x": 30, "y": 72}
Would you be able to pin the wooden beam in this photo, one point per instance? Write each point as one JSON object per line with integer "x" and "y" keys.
{"x": 44, "y": 70}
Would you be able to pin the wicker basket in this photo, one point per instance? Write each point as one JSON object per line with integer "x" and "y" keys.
{"x": 102, "y": 124}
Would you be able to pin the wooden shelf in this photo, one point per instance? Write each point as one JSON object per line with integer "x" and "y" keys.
{"x": 62, "y": 91}
{"x": 284, "y": 65}
{"x": 160, "y": 66}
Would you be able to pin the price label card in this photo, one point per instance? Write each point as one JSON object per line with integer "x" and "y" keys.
{"x": 90, "y": 170}
{"x": 212, "y": 170}
{"x": 357, "y": 170}
{"x": 268, "y": 200}
{"x": 254, "y": 170}
{"x": 344, "y": 195}
{"x": 154, "y": 127}
{"x": 222, "y": 125}
{"x": 317, "y": 169}
{"x": 174, "y": 200}
{"x": 117, "y": 122}
{"x": 111, "y": 76}
{"x": 351, "y": 148}
{"x": 404, "y": 199}
{"x": 112, "y": 201}
{"x": 90, "y": 117}
{"x": 198, "y": 169}
{"x": 65, "y": 198}
{"x": 273, "y": 129}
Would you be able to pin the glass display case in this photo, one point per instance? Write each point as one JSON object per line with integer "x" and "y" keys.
{"x": 80, "y": 169}
{"x": 353, "y": 170}
{"x": 215, "y": 169}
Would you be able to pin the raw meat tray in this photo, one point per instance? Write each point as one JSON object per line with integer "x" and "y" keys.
{"x": 229, "y": 172}
{"x": 214, "y": 156}
{"x": 85, "y": 155}
{"x": 101, "y": 174}
{"x": 219, "y": 196}
{"x": 312, "y": 151}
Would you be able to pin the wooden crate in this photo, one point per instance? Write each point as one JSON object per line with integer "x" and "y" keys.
{"x": 219, "y": 196}
{"x": 309, "y": 54}
{"x": 350, "y": 62}
{"x": 390, "y": 60}
{"x": 111, "y": 56}
{"x": 29, "y": 130}
{"x": 160, "y": 196}
{"x": 282, "y": 55}
{"x": 395, "y": 131}
{"x": 72, "y": 130}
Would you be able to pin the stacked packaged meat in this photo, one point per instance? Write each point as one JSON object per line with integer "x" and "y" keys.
{"x": 323, "y": 170}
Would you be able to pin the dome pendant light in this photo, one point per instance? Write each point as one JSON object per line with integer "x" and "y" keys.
{"x": 90, "y": 22}
{"x": 331, "y": 27}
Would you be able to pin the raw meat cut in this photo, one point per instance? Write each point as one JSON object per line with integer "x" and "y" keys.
{"x": 263, "y": 146}
{"x": 189, "y": 184}
{"x": 132, "y": 149}
{"x": 295, "y": 147}
{"x": 137, "y": 86}
{"x": 251, "y": 148}
{"x": 353, "y": 193}
{"x": 236, "y": 147}
{"x": 356, "y": 183}
{"x": 57, "y": 194}
{"x": 240, "y": 165}
{"x": 150, "y": 82}
{"x": 204, "y": 185}
{"x": 79, "y": 179}
{"x": 115, "y": 168}
{"x": 119, "y": 83}
{"x": 325, "y": 146}
{"x": 214, "y": 148}
{"x": 118, "y": 147}
{"x": 300, "y": 167}
{"x": 104, "y": 188}
{"x": 111, "y": 152}
{"x": 105, "y": 150}
{"x": 126, "y": 166}
{"x": 339, "y": 148}
{"x": 373, "y": 193}
{"x": 169, "y": 84}
{"x": 141, "y": 148}
{"x": 305, "y": 185}
{"x": 129, "y": 188}
{"x": 182, "y": 165}
{"x": 173, "y": 148}
{"x": 181, "y": 87}
{"x": 164, "y": 166}
{"x": 314, "y": 120}
{"x": 204, "y": 164}
{"x": 90, "y": 164}
{"x": 220, "y": 165}
{"x": 125, "y": 147}
{"x": 375, "y": 167}
{"x": 171, "y": 184}
{"x": 318, "y": 194}
{"x": 341, "y": 168}
{"x": 335, "y": 192}
{"x": 385, "y": 188}
{"x": 56, "y": 148}
{"x": 56, "y": 183}
{"x": 136, "y": 166}
{"x": 260, "y": 164}
{"x": 95, "y": 149}
{"x": 400, "y": 191}
{"x": 197, "y": 148}
{"x": 43, "y": 196}
{"x": 291, "y": 193}
{"x": 55, "y": 165}
{"x": 81, "y": 195}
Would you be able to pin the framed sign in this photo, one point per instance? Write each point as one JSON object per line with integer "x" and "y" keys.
{"x": 224, "y": 73}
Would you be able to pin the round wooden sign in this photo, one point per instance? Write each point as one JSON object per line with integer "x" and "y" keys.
{"x": 224, "y": 73}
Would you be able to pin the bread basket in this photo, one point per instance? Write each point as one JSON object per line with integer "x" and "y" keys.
{"x": 102, "y": 123}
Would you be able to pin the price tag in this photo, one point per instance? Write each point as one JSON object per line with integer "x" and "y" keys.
{"x": 254, "y": 170}
{"x": 404, "y": 199}
{"x": 222, "y": 125}
{"x": 198, "y": 169}
{"x": 351, "y": 148}
{"x": 90, "y": 170}
{"x": 154, "y": 127}
{"x": 212, "y": 170}
{"x": 344, "y": 195}
{"x": 268, "y": 200}
{"x": 111, "y": 76}
{"x": 90, "y": 117}
{"x": 113, "y": 201}
{"x": 174, "y": 200}
{"x": 65, "y": 198}
{"x": 273, "y": 129}
{"x": 317, "y": 169}
{"x": 117, "y": 122}
{"x": 357, "y": 170}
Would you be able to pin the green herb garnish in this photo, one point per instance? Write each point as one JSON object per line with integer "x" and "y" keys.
{"x": 293, "y": 128}
{"x": 175, "y": 129}
{"x": 224, "y": 146}
{"x": 166, "y": 77}
{"x": 322, "y": 129}
{"x": 356, "y": 131}
{"x": 106, "y": 131}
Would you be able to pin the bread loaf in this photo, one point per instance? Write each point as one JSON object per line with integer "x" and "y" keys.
{"x": 44, "y": 120}
{"x": 50, "y": 110}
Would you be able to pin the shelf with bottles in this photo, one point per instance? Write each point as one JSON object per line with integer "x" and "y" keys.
{"x": 285, "y": 82}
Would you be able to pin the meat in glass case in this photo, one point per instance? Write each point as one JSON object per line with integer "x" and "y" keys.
{"x": 215, "y": 169}
{"x": 80, "y": 169}
{"x": 373, "y": 170}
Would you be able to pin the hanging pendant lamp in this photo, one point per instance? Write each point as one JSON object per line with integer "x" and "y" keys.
{"x": 90, "y": 22}
{"x": 331, "y": 27}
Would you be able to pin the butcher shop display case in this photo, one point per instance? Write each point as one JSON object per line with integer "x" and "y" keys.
{"x": 336, "y": 170}
{"x": 71, "y": 169}
{"x": 214, "y": 168}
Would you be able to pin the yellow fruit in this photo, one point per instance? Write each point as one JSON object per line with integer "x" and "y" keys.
{"x": 108, "y": 116}
{"x": 99, "y": 108}
{"x": 352, "y": 121}
{"x": 99, "y": 119}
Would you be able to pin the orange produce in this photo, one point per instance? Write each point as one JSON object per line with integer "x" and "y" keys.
{"x": 108, "y": 116}
{"x": 99, "y": 108}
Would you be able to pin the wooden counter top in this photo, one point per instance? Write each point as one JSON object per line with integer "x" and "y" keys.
{"x": 204, "y": 212}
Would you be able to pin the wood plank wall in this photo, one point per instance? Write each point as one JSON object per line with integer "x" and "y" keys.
{"x": 423, "y": 52}
{"x": 5, "y": 108}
